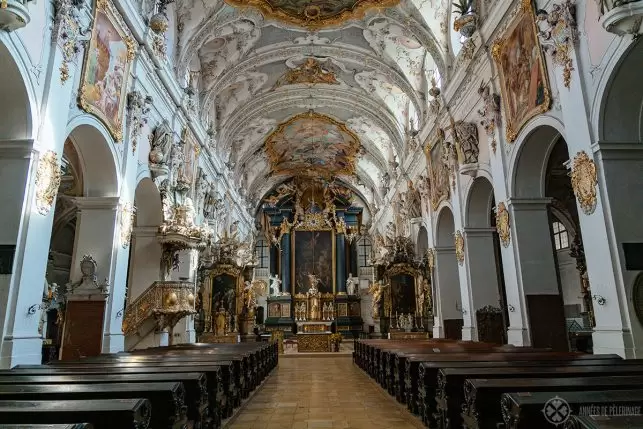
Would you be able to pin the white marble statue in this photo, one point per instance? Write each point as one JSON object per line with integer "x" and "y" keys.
{"x": 275, "y": 283}
{"x": 351, "y": 284}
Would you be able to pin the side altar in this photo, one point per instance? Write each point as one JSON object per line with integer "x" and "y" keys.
{"x": 312, "y": 225}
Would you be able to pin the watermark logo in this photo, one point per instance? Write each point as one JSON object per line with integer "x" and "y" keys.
{"x": 557, "y": 411}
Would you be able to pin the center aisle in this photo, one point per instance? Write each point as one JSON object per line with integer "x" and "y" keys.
{"x": 322, "y": 392}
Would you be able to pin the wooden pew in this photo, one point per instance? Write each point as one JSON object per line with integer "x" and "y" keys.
{"x": 481, "y": 407}
{"x": 218, "y": 401}
{"x": 222, "y": 374}
{"x": 428, "y": 371}
{"x": 196, "y": 389}
{"x": 101, "y": 413}
{"x": 412, "y": 373}
{"x": 167, "y": 399}
{"x": 63, "y": 426}
{"x": 525, "y": 410}
{"x": 449, "y": 393}
{"x": 604, "y": 422}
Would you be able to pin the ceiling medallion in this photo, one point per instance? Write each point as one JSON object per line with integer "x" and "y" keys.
{"x": 314, "y": 14}
{"x": 310, "y": 71}
{"x": 311, "y": 144}
{"x": 584, "y": 181}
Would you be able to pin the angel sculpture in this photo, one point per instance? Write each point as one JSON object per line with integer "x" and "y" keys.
{"x": 275, "y": 283}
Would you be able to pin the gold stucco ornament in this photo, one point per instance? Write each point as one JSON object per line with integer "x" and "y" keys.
{"x": 584, "y": 181}
{"x": 459, "y": 247}
{"x": 502, "y": 224}
{"x": 47, "y": 182}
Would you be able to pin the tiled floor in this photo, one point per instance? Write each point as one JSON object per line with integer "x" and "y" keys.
{"x": 316, "y": 393}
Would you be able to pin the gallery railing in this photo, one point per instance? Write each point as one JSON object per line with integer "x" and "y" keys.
{"x": 166, "y": 301}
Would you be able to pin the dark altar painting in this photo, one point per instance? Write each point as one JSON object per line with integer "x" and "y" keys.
{"x": 403, "y": 294}
{"x": 313, "y": 252}
{"x": 224, "y": 293}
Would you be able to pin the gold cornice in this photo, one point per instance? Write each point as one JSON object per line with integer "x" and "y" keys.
{"x": 307, "y": 20}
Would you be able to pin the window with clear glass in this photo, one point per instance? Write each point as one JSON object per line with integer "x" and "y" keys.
{"x": 364, "y": 252}
{"x": 262, "y": 254}
{"x": 561, "y": 239}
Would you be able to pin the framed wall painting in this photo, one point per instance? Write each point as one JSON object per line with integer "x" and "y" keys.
{"x": 108, "y": 59}
{"x": 521, "y": 66}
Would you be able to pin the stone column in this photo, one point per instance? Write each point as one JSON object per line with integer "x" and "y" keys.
{"x": 482, "y": 276}
{"x": 26, "y": 228}
{"x": 145, "y": 261}
{"x": 98, "y": 235}
{"x": 340, "y": 263}
{"x": 541, "y": 304}
{"x": 274, "y": 260}
{"x": 447, "y": 297}
{"x": 285, "y": 263}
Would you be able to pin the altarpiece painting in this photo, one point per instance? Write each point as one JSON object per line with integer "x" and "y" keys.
{"x": 108, "y": 59}
{"x": 523, "y": 77}
{"x": 314, "y": 254}
{"x": 402, "y": 280}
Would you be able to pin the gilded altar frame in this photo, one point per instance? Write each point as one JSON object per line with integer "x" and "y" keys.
{"x": 207, "y": 292}
{"x": 313, "y": 222}
{"x": 394, "y": 270}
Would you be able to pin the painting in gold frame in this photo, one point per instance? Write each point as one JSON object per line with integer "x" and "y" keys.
{"x": 521, "y": 66}
{"x": 108, "y": 59}
{"x": 311, "y": 251}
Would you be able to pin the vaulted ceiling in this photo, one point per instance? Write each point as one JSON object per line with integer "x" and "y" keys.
{"x": 291, "y": 83}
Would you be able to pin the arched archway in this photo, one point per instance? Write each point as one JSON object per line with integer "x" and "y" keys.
{"x": 447, "y": 298}
{"x": 620, "y": 162}
{"x": 17, "y": 175}
{"x": 484, "y": 264}
{"x": 540, "y": 183}
{"x": 144, "y": 267}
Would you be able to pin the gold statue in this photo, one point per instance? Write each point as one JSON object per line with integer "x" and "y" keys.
{"x": 220, "y": 322}
{"x": 376, "y": 289}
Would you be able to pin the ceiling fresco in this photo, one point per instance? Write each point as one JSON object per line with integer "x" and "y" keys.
{"x": 311, "y": 144}
{"x": 313, "y": 13}
{"x": 330, "y": 88}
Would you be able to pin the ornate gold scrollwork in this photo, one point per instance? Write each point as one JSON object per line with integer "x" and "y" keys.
{"x": 126, "y": 224}
{"x": 502, "y": 224}
{"x": 459, "y": 247}
{"x": 584, "y": 180}
{"x": 430, "y": 259}
{"x": 48, "y": 178}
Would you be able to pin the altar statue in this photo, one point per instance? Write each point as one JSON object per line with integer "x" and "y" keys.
{"x": 376, "y": 289}
{"x": 275, "y": 283}
{"x": 314, "y": 308}
{"x": 351, "y": 284}
{"x": 249, "y": 297}
{"x": 220, "y": 322}
{"x": 314, "y": 281}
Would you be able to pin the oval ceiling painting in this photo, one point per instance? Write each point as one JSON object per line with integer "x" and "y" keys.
{"x": 312, "y": 144}
{"x": 314, "y": 13}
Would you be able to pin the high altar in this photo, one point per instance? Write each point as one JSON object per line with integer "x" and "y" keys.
{"x": 311, "y": 226}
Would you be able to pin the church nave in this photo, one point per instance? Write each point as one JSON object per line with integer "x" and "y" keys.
{"x": 321, "y": 392}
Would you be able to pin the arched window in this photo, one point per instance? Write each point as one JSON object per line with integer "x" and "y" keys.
{"x": 261, "y": 250}
{"x": 364, "y": 249}
{"x": 561, "y": 238}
